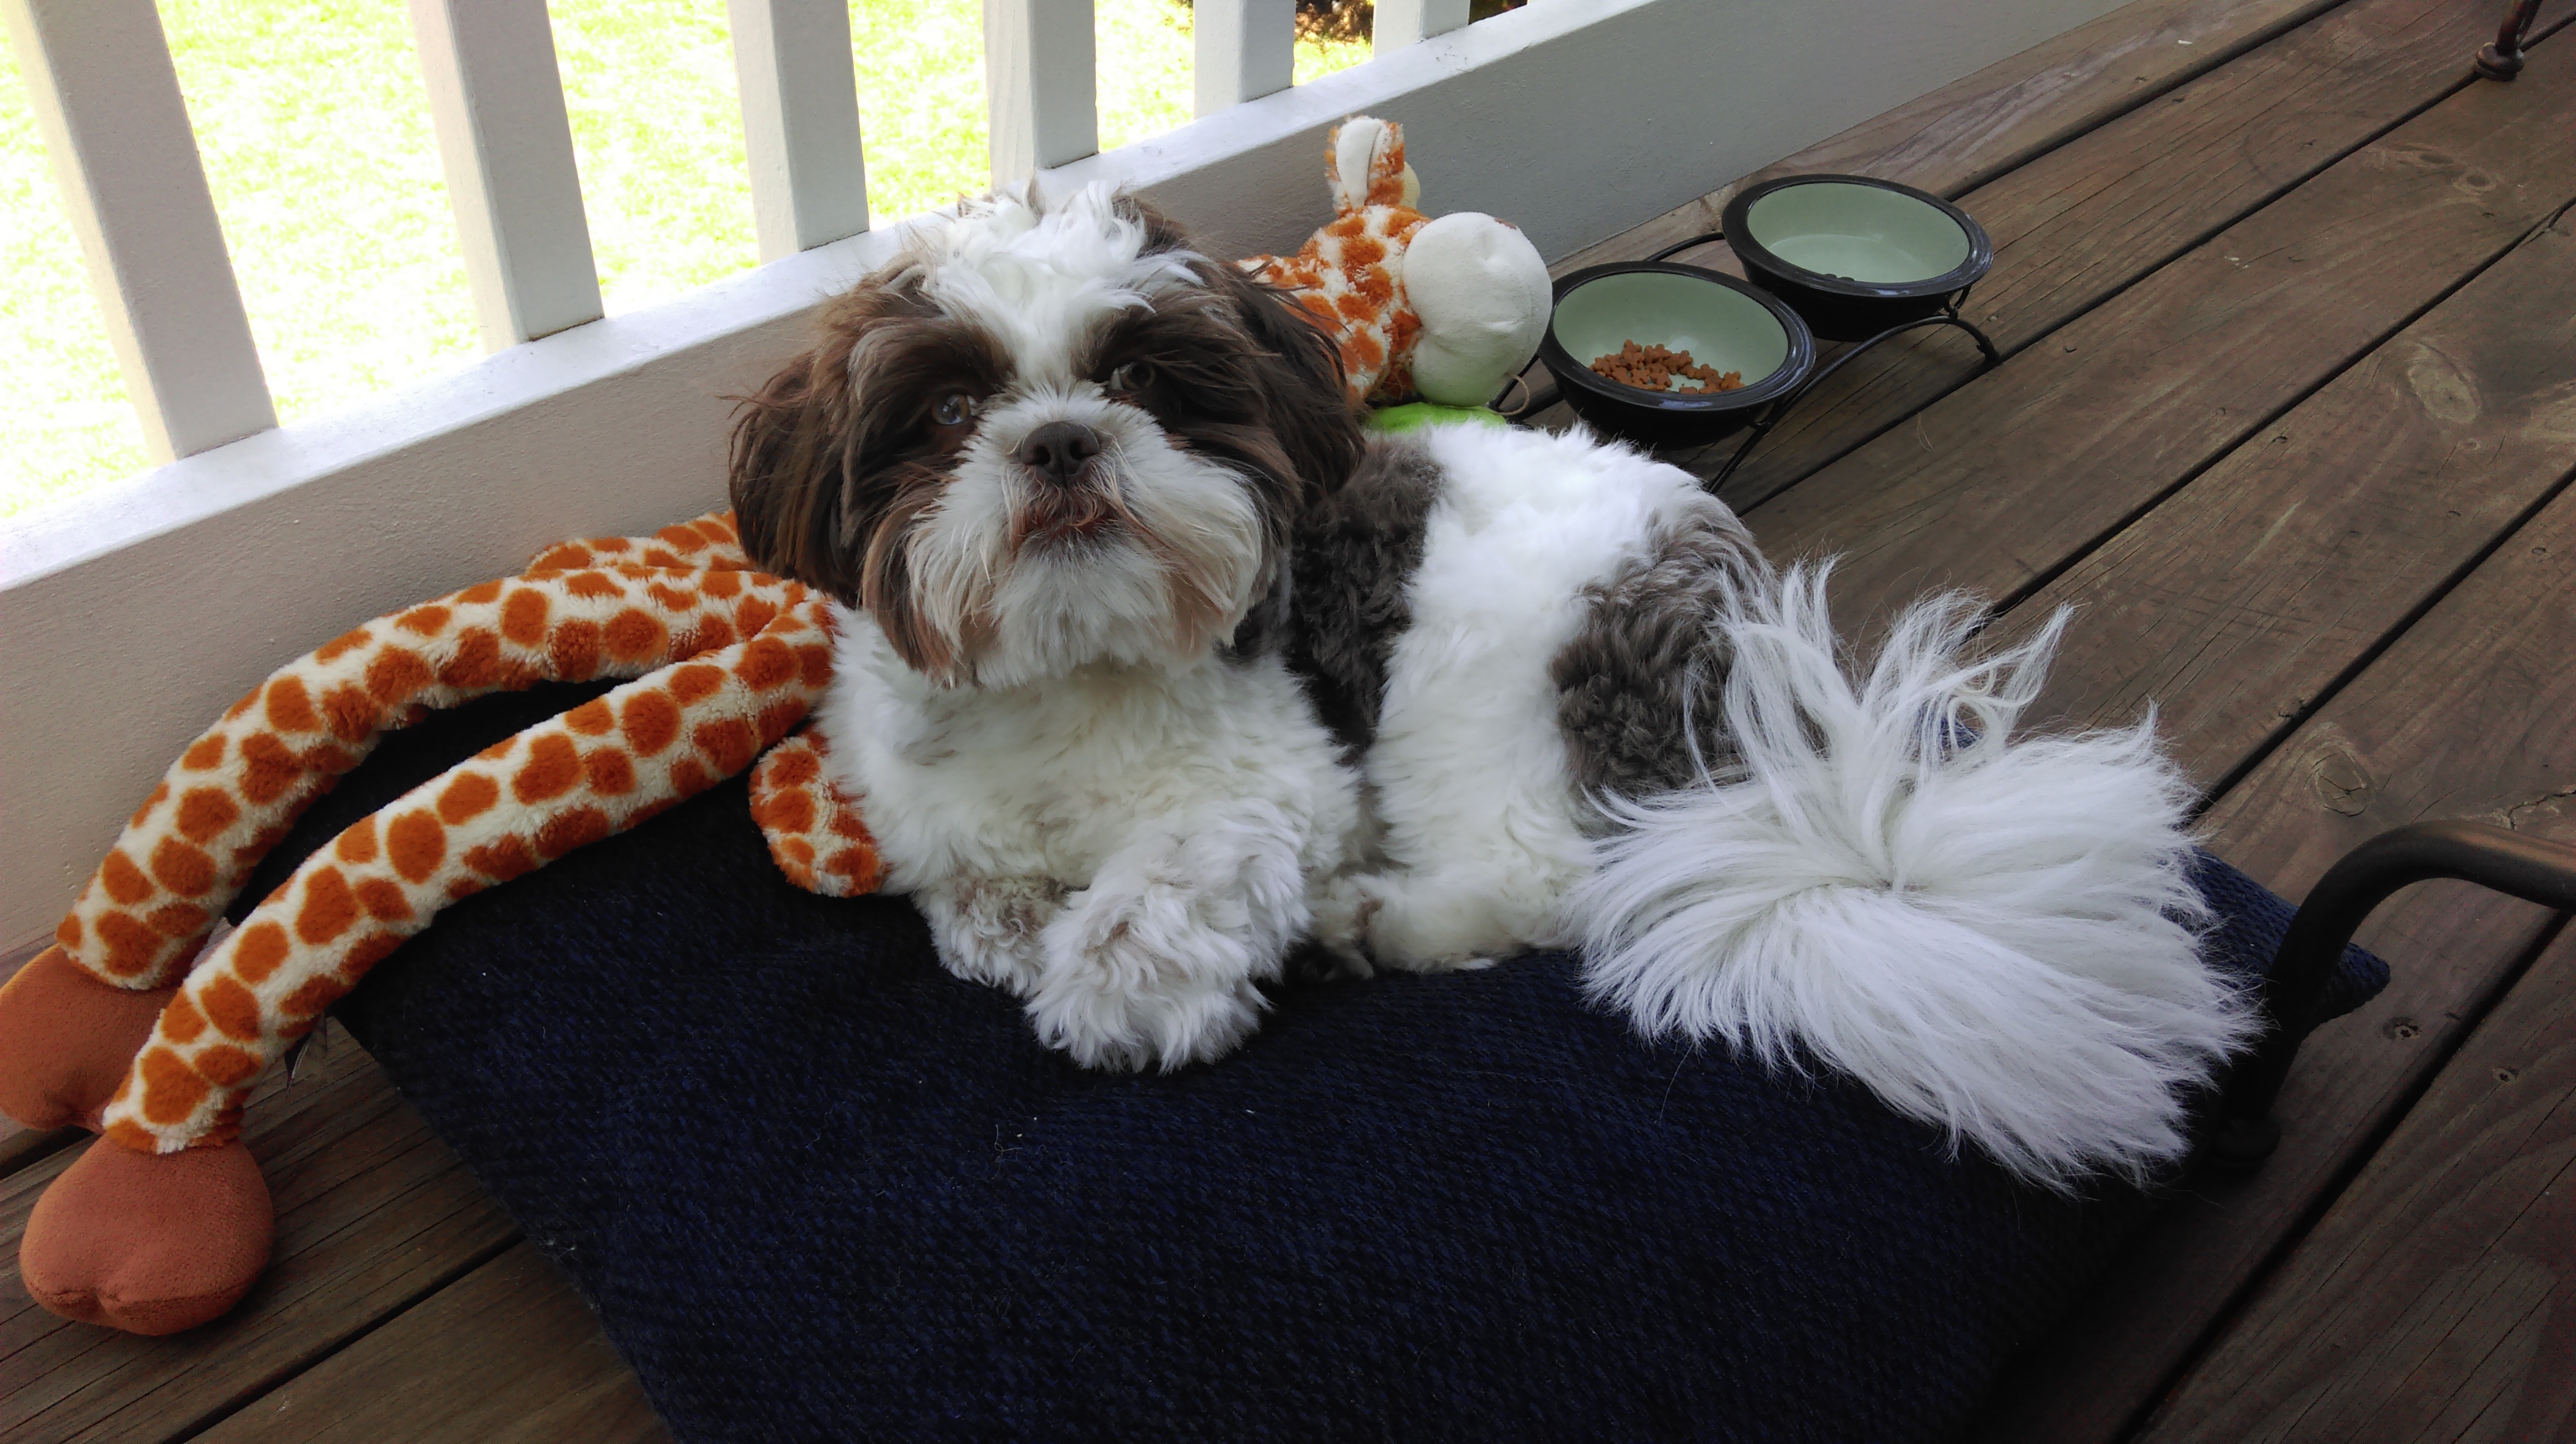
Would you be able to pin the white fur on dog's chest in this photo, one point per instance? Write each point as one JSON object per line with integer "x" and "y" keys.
{"x": 1049, "y": 779}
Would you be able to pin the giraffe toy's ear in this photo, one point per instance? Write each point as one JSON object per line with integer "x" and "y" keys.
{"x": 1364, "y": 161}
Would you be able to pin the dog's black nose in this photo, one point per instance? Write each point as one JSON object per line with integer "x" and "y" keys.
{"x": 1059, "y": 450}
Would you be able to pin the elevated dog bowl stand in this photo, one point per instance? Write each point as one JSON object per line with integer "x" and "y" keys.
{"x": 1948, "y": 314}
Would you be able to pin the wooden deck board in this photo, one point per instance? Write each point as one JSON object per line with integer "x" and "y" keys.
{"x": 509, "y": 1354}
{"x": 2235, "y": 606}
{"x": 1997, "y": 486}
{"x": 2433, "y": 1300}
{"x": 373, "y": 1214}
{"x": 1976, "y": 128}
{"x": 2149, "y": 179}
{"x": 2247, "y": 596}
{"x": 2471, "y": 714}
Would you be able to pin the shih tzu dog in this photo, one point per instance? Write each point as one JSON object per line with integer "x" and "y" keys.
{"x": 1152, "y": 667}
{"x": 1051, "y": 463}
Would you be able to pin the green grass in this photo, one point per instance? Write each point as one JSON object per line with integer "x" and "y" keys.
{"x": 318, "y": 148}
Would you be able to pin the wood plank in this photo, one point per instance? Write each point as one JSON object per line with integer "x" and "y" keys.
{"x": 1240, "y": 50}
{"x": 1976, "y": 128}
{"x": 2079, "y": 225}
{"x": 2241, "y": 600}
{"x": 116, "y": 128}
{"x": 1998, "y": 486}
{"x": 505, "y": 145}
{"x": 2269, "y": 577}
{"x": 509, "y": 1354}
{"x": 2157, "y": 177}
{"x": 1038, "y": 85}
{"x": 21, "y": 1145}
{"x": 2471, "y": 713}
{"x": 2433, "y": 1302}
{"x": 373, "y": 1213}
{"x": 800, "y": 122}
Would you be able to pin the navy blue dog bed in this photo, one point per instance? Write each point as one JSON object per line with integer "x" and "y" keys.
{"x": 820, "y": 1190}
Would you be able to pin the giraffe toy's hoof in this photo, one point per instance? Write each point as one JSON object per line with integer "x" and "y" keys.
{"x": 66, "y": 1040}
{"x": 148, "y": 1243}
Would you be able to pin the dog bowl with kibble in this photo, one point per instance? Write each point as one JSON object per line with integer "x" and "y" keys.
{"x": 1852, "y": 255}
{"x": 1722, "y": 322}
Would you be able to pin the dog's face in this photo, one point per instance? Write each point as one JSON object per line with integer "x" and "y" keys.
{"x": 1043, "y": 439}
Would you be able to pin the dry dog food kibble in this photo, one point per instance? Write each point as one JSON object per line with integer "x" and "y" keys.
{"x": 1654, "y": 367}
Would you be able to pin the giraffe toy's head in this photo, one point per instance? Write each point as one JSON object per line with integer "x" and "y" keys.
{"x": 1442, "y": 310}
{"x": 1046, "y": 437}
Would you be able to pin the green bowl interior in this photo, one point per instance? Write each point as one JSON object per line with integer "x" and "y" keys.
{"x": 1860, "y": 233}
{"x": 1718, "y": 325}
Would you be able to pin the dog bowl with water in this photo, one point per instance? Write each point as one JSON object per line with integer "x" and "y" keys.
{"x": 1853, "y": 255}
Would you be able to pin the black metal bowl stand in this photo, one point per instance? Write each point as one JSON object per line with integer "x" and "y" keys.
{"x": 2501, "y": 58}
{"x": 2529, "y": 868}
{"x": 1947, "y": 314}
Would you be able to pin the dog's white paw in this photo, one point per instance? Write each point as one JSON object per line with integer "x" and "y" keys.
{"x": 991, "y": 930}
{"x": 1137, "y": 980}
{"x": 1380, "y": 918}
{"x": 1342, "y": 909}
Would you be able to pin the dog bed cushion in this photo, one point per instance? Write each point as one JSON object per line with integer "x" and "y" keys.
{"x": 817, "y": 1189}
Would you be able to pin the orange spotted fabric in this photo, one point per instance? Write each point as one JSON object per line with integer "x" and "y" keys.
{"x": 815, "y": 835}
{"x": 1350, "y": 274}
{"x": 726, "y": 661}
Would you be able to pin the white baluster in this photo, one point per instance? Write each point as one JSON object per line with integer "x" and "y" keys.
{"x": 800, "y": 122}
{"x": 1402, "y": 22}
{"x": 497, "y": 102}
{"x": 1038, "y": 83}
{"x": 1246, "y": 49}
{"x": 108, "y": 105}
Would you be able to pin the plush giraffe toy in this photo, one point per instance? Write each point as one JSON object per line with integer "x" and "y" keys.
{"x": 134, "y": 1026}
{"x": 125, "y": 1027}
{"x": 1444, "y": 310}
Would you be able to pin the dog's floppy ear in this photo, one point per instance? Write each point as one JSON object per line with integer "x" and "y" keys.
{"x": 789, "y": 471}
{"x": 1311, "y": 410}
{"x": 1310, "y": 407}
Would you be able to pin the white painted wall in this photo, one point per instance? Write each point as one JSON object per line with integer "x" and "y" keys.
{"x": 129, "y": 617}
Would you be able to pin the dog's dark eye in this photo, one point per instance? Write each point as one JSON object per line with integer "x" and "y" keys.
{"x": 954, "y": 409}
{"x": 1131, "y": 378}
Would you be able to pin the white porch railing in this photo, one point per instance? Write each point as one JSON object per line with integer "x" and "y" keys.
{"x": 129, "y": 615}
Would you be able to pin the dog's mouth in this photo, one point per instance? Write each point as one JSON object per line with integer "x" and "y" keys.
{"x": 1066, "y": 515}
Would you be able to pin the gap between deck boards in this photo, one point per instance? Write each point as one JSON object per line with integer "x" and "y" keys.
{"x": 2450, "y": 1255}
{"x": 2462, "y": 715}
{"x": 2452, "y": 949}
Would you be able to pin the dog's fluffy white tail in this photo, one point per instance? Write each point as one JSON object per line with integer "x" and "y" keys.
{"x": 1995, "y": 935}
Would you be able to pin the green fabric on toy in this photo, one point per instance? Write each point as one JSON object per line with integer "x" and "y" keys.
{"x": 1415, "y": 415}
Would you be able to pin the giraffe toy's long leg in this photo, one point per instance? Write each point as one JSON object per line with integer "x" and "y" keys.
{"x": 709, "y": 543}
{"x": 234, "y": 792}
{"x": 154, "y": 1241}
{"x": 815, "y": 834}
{"x": 594, "y": 771}
{"x": 72, "y": 1019}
